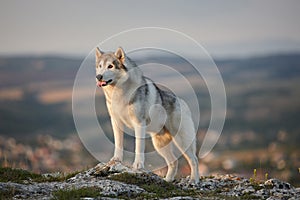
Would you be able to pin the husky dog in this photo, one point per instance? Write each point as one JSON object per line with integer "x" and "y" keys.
{"x": 136, "y": 102}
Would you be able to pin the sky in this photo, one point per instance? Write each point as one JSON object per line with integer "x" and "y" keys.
{"x": 224, "y": 28}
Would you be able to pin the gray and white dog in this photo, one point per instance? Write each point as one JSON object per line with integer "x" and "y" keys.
{"x": 136, "y": 102}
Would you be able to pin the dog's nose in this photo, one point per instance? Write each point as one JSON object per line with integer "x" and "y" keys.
{"x": 99, "y": 77}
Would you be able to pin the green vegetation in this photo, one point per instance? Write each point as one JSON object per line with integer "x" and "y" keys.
{"x": 266, "y": 176}
{"x": 154, "y": 187}
{"x": 18, "y": 175}
{"x": 22, "y": 176}
{"x": 254, "y": 177}
{"x": 74, "y": 193}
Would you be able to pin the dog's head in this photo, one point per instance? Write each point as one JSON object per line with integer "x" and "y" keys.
{"x": 110, "y": 67}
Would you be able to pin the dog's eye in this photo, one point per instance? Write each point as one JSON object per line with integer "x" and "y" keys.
{"x": 110, "y": 66}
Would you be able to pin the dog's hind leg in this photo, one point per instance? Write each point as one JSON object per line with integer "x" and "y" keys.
{"x": 162, "y": 143}
{"x": 186, "y": 143}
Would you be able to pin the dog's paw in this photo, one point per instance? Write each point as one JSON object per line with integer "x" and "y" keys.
{"x": 194, "y": 181}
{"x": 168, "y": 179}
{"x": 115, "y": 159}
{"x": 138, "y": 165}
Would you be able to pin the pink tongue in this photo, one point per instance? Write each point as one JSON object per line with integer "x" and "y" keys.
{"x": 101, "y": 83}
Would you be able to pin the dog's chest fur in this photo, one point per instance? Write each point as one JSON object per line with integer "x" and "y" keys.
{"x": 120, "y": 109}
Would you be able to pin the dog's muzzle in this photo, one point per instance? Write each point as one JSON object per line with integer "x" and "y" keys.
{"x": 101, "y": 82}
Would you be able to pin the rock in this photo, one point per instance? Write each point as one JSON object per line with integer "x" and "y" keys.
{"x": 180, "y": 198}
{"x": 111, "y": 180}
{"x": 277, "y": 184}
{"x": 280, "y": 190}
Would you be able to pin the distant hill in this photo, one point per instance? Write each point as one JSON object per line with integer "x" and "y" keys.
{"x": 263, "y": 94}
{"x": 24, "y": 106}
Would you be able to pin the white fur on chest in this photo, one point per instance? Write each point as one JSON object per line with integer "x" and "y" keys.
{"x": 122, "y": 113}
{"x": 118, "y": 106}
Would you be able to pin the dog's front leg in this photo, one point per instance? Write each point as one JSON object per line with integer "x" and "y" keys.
{"x": 140, "y": 132}
{"x": 118, "y": 136}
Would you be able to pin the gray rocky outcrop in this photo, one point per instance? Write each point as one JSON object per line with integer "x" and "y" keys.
{"x": 117, "y": 181}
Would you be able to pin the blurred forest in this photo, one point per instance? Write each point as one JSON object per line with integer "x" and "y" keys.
{"x": 262, "y": 129}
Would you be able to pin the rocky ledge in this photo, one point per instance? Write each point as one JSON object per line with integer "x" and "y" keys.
{"x": 117, "y": 181}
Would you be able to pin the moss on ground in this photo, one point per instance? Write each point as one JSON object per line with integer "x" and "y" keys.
{"x": 21, "y": 176}
{"x": 155, "y": 187}
{"x": 17, "y": 175}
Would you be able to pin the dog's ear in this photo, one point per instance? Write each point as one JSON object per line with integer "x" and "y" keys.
{"x": 98, "y": 52}
{"x": 120, "y": 54}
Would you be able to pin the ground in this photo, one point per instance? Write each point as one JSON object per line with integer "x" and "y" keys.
{"x": 115, "y": 180}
